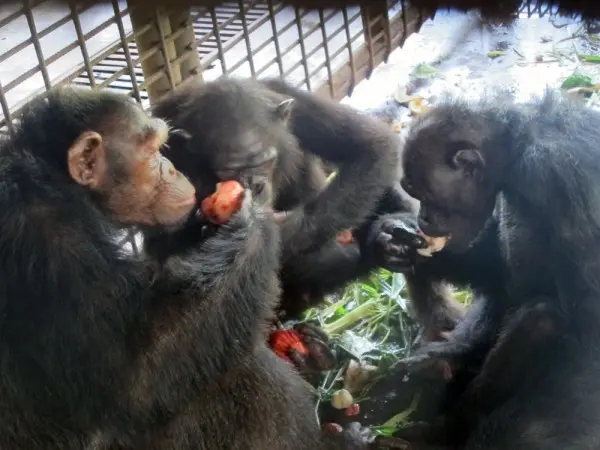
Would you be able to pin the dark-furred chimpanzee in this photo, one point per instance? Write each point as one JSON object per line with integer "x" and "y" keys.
{"x": 246, "y": 128}
{"x": 97, "y": 349}
{"x": 530, "y": 173}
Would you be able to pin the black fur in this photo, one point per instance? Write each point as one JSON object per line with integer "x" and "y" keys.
{"x": 361, "y": 195}
{"x": 218, "y": 114}
{"x": 540, "y": 171}
{"x": 97, "y": 350}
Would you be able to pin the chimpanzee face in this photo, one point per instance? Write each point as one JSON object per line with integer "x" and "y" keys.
{"x": 444, "y": 168}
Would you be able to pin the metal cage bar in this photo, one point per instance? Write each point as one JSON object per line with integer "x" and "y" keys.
{"x": 146, "y": 52}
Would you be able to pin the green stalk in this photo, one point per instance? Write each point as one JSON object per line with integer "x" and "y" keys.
{"x": 367, "y": 309}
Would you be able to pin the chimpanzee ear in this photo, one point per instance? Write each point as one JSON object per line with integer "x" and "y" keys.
{"x": 87, "y": 160}
{"x": 283, "y": 110}
{"x": 468, "y": 160}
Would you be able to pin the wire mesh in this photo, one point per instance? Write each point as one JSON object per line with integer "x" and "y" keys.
{"x": 147, "y": 52}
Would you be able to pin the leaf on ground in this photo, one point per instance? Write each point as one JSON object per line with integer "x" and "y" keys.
{"x": 576, "y": 80}
{"x": 424, "y": 71}
{"x": 590, "y": 58}
{"x": 495, "y": 53}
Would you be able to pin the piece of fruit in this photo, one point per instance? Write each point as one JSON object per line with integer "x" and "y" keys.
{"x": 352, "y": 410}
{"x": 282, "y": 341}
{"x": 435, "y": 244}
{"x": 224, "y": 202}
{"x": 332, "y": 428}
{"x": 401, "y": 94}
{"x": 345, "y": 237}
{"x": 417, "y": 106}
{"x": 341, "y": 399}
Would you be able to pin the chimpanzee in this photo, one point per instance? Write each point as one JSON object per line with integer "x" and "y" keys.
{"x": 531, "y": 174}
{"x": 98, "y": 348}
{"x": 238, "y": 128}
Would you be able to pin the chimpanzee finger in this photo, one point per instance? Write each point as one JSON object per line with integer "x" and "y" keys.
{"x": 320, "y": 356}
{"x": 422, "y": 365}
{"x": 298, "y": 359}
{"x": 308, "y": 330}
{"x": 407, "y": 236}
{"x": 398, "y": 250}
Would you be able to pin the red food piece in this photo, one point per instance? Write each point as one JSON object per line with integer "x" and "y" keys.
{"x": 282, "y": 341}
{"x": 352, "y": 410}
{"x": 332, "y": 428}
{"x": 345, "y": 237}
{"x": 224, "y": 202}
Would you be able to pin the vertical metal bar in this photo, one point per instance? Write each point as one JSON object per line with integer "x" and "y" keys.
{"x": 130, "y": 66}
{"x": 36, "y": 44}
{"x": 388, "y": 35}
{"x": 404, "y": 22}
{"x": 81, "y": 42}
{"x": 350, "y": 51}
{"x": 180, "y": 20}
{"x": 302, "y": 47}
{"x": 215, "y": 23}
{"x": 275, "y": 36}
{"x": 366, "y": 19}
{"x": 247, "y": 37}
{"x": 6, "y": 111}
{"x": 163, "y": 47}
{"x": 326, "y": 50}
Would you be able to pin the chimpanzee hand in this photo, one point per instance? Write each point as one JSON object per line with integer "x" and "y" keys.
{"x": 393, "y": 241}
{"x": 353, "y": 437}
{"x": 305, "y": 346}
{"x": 442, "y": 317}
{"x": 435, "y": 360}
{"x": 320, "y": 357}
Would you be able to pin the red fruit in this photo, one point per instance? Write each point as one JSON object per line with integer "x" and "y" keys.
{"x": 282, "y": 341}
{"x": 224, "y": 202}
{"x": 332, "y": 428}
{"x": 352, "y": 410}
{"x": 345, "y": 237}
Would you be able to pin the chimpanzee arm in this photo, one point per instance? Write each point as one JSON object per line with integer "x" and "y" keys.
{"x": 214, "y": 301}
{"x": 308, "y": 278}
{"x": 366, "y": 153}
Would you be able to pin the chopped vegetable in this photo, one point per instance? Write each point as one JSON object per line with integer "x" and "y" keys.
{"x": 282, "y": 341}
{"x": 224, "y": 202}
{"x": 341, "y": 399}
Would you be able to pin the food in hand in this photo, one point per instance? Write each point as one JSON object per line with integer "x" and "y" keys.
{"x": 435, "y": 244}
{"x": 224, "y": 202}
{"x": 345, "y": 237}
{"x": 282, "y": 341}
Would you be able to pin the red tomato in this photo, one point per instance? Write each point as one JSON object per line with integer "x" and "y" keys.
{"x": 224, "y": 202}
{"x": 352, "y": 410}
